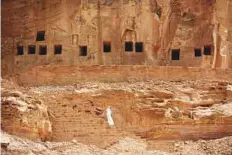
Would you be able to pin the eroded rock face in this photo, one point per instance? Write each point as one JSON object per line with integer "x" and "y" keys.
{"x": 201, "y": 29}
{"x": 24, "y": 116}
{"x": 152, "y": 110}
{"x": 155, "y": 111}
{"x": 223, "y": 33}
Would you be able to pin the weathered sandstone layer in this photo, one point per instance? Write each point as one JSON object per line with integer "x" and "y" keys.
{"x": 193, "y": 33}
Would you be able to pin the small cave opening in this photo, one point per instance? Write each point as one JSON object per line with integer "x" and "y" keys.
{"x": 129, "y": 46}
{"x": 31, "y": 49}
{"x": 139, "y": 47}
{"x": 83, "y": 51}
{"x": 107, "y": 46}
{"x": 197, "y": 52}
{"x": 20, "y": 50}
{"x": 158, "y": 11}
{"x": 57, "y": 49}
{"x": 175, "y": 54}
{"x": 207, "y": 50}
{"x": 40, "y": 36}
{"x": 42, "y": 50}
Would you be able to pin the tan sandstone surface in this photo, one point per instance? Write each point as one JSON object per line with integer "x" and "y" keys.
{"x": 160, "y": 113}
{"x": 160, "y": 26}
{"x": 164, "y": 67}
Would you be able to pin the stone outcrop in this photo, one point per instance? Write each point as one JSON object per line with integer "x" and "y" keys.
{"x": 164, "y": 67}
{"x": 154, "y": 110}
{"x": 156, "y": 32}
{"x": 24, "y": 116}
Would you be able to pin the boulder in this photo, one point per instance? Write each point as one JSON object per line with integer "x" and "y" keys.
{"x": 25, "y": 119}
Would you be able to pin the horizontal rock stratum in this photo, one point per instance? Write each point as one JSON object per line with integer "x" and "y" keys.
{"x": 116, "y": 77}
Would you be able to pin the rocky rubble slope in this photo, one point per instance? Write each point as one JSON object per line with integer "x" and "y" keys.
{"x": 12, "y": 145}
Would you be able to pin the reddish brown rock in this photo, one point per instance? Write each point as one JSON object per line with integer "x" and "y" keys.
{"x": 185, "y": 33}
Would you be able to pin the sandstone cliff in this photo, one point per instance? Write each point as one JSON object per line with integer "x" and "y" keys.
{"x": 165, "y": 29}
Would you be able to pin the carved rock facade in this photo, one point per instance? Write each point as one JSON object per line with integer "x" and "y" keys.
{"x": 116, "y": 32}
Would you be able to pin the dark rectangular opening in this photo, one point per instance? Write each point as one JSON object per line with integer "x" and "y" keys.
{"x": 139, "y": 47}
{"x": 107, "y": 46}
{"x": 176, "y": 54}
{"x": 129, "y": 46}
{"x": 83, "y": 51}
{"x": 20, "y": 50}
{"x": 31, "y": 49}
{"x": 207, "y": 50}
{"x": 40, "y": 36}
{"x": 197, "y": 52}
{"x": 42, "y": 50}
{"x": 57, "y": 49}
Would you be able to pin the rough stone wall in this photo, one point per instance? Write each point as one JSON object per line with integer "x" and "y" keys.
{"x": 190, "y": 27}
{"x": 161, "y": 25}
{"x": 223, "y": 34}
{"x": 7, "y": 63}
{"x": 64, "y": 75}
